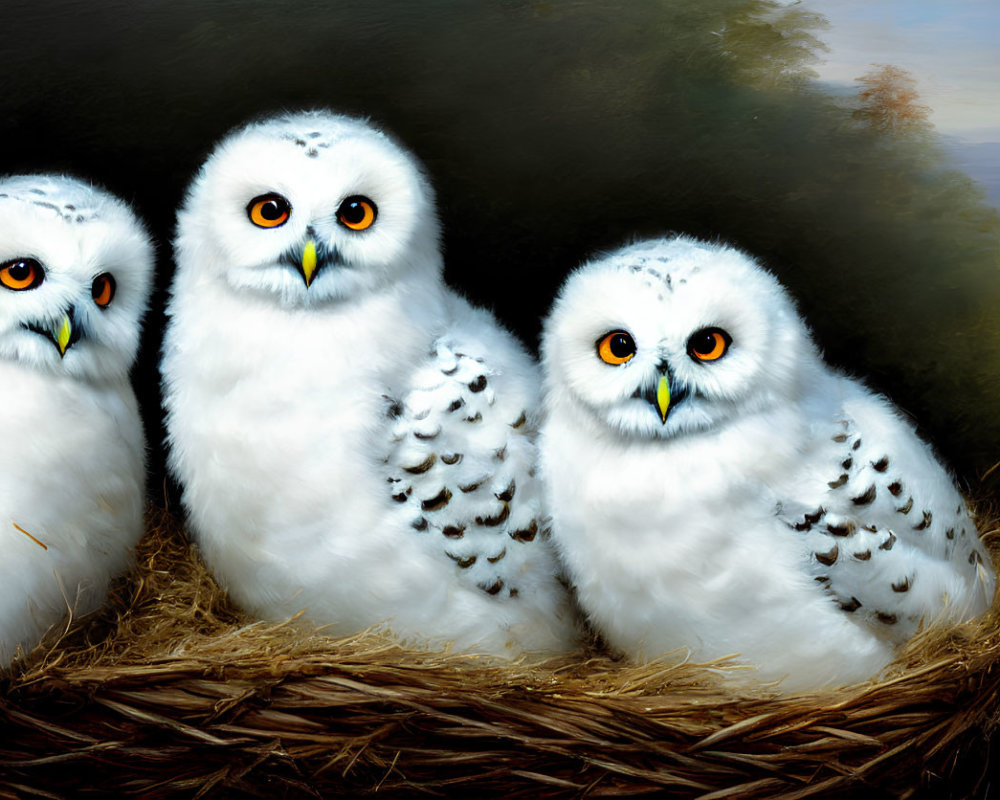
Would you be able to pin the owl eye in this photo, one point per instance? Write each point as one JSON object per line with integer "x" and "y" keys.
{"x": 709, "y": 344}
{"x": 269, "y": 210}
{"x": 103, "y": 289}
{"x": 21, "y": 274}
{"x": 616, "y": 347}
{"x": 357, "y": 213}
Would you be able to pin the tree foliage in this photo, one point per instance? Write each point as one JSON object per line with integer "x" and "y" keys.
{"x": 772, "y": 44}
{"x": 552, "y": 130}
{"x": 889, "y": 101}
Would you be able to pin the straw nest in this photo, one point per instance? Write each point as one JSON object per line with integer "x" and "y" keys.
{"x": 171, "y": 692}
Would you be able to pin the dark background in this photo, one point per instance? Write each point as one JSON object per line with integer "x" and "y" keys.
{"x": 551, "y": 131}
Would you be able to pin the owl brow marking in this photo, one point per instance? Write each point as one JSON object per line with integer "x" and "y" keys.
{"x": 308, "y": 148}
{"x": 46, "y": 205}
{"x": 662, "y": 277}
{"x": 36, "y": 541}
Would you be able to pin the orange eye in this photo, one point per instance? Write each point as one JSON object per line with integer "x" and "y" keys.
{"x": 357, "y": 213}
{"x": 269, "y": 210}
{"x": 616, "y": 347}
{"x": 21, "y": 274}
{"x": 709, "y": 344}
{"x": 103, "y": 289}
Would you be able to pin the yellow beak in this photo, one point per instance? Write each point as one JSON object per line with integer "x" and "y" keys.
{"x": 64, "y": 335}
{"x": 663, "y": 397}
{"x": 309, "y": 262}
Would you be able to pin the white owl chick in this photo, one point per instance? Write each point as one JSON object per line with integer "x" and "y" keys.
{"x": 715, "y": 486}
{"x": 75, "y": 273}
{"x": 352, "y": 439}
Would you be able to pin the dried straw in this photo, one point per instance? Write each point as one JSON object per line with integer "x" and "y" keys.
{"x": 172, "y": 692}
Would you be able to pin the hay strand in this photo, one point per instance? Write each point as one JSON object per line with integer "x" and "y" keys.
{"x": 172, "y": 692}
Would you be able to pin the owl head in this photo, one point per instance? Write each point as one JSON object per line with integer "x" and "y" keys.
{"x": 308, "y": 208}
{"x": 75, "y": 272}
{"x": 672, "y": 336}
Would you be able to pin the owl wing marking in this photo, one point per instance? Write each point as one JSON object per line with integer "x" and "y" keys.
{"x": 461, "y": 466}
{"x": 888, "y": 534}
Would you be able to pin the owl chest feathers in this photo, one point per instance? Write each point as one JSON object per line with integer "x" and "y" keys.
{"x": 86, "y": 467}
{"x": 262, "y": 390}
{"x": 729, "y": 467}
{"x": 685, "y": 512}
{"x": 71, "y": 497}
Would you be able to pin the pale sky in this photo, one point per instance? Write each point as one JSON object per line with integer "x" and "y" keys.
{"x": 950, "y": 46}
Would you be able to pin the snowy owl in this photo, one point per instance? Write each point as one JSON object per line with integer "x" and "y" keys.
{"x": 75, "y": 273}
{"x": 352, "y": 439}
{"x": 715, "y": 487}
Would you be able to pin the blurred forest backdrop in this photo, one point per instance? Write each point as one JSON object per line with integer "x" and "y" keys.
{"x": 553, "y": 130}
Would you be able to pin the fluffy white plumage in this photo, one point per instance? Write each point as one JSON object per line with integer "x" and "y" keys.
{"x": 72, "y": 457}
{"x": 351, "y": 438}
{"x": 769, "y": 506}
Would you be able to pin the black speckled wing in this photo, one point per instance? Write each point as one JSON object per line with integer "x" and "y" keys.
{"x": 461, "y": 467}
{"x": 890, "y": 536}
